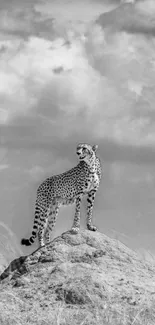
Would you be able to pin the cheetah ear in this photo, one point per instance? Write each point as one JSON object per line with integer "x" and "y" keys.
{"x": 95, "y": 147}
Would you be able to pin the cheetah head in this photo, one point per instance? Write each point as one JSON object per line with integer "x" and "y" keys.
{"x": 86, "y": 152}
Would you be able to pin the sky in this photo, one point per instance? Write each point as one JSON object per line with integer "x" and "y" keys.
{"x": 70, "y": 72}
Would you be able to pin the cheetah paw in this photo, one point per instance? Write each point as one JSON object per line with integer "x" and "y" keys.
{"x": 75, "y": 230}
{"x": 91, "y": 227}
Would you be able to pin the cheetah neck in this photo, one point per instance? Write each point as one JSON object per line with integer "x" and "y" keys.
{"x": 91, "y": 166}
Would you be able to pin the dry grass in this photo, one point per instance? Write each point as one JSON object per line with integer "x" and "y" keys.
{"x": 39, "y": 297}
{"x": 15, "y": 311}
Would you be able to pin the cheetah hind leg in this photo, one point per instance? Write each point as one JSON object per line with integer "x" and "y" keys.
{"x": 43, "y": 227}
{"x": 51, "y": 222}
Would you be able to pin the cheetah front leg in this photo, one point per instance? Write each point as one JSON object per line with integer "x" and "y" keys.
{"x": 76, "y": 222}
{"x": 90, "y": 205}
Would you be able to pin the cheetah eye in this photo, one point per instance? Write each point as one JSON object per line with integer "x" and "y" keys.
{"x": 85, "y": 150}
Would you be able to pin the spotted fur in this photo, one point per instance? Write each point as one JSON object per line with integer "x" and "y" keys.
{"x": 67, "y": 188}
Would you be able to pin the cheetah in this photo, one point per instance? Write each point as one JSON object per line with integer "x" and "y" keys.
{"x": 67, "y": 188}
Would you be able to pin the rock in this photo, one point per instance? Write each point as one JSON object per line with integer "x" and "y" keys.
{"x": 89, "y": 275}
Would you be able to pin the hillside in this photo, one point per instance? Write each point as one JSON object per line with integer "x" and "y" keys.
{"x": 87, "y": 278}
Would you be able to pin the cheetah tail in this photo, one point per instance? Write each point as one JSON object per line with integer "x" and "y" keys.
{"x": 30, "y": 241}
{"x": 27, "y": 242}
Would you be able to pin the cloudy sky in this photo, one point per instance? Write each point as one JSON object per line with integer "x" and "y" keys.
{"x": 79, "y": 71}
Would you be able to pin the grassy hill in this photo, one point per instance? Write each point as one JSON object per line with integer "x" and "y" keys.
{"x": 81, "y": 279}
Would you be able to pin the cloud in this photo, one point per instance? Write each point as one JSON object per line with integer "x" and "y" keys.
{"x": 88, "y": 97}
{"x": 134, "y": 19}
{"x": 31, "y": 74}
{"x": 3, "y": 166}
{"x": 27, "y": 70}
{"x": 98, "y": 88}
{"x": 21, "y": 19}
{"x": 127, "y": 63}
{"x": 146, "y": 7}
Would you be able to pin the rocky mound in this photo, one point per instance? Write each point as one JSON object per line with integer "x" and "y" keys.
{"x": 87, "y": 278}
